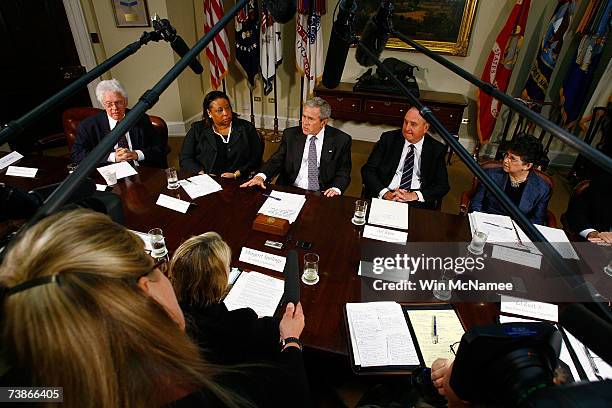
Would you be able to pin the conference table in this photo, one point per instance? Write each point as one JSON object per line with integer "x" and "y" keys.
{"x": 324, "y": 222}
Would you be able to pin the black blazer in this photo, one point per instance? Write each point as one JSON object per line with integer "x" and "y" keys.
{"x": 199, "y": 150}
{"x": 142, "y": 135}
{"x": 591, "y": 209}
{"x": 334, "y": 165}
{"x": 380, "y": 168}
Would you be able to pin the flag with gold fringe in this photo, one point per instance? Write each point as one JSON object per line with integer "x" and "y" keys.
{"x": 309, "y": 43}
{"x": 247, "y": 41}
{"x": 217, "y": 50}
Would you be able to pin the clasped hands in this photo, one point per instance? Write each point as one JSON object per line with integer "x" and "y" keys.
{"x": 259, "y": 182}
{"x": 123, "y": 154}
{"x": 401, "y": 195}
{"x": 600, "y": 237}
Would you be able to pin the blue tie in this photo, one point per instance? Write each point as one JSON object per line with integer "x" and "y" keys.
{"x": 406, "y": 182}
{"x": 313, "y": 170}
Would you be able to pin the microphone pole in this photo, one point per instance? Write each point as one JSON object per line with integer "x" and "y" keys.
{"x": 17, "y": 126}
{"x": 559, "y": 264}
{"x": 146, "y": 101}
{"x": 588, "y": 151}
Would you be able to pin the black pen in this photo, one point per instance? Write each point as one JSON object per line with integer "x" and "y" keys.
{"x": 271, "y": 196}
{"x": 495, "y": 225}
{"x": 192, "y": 203}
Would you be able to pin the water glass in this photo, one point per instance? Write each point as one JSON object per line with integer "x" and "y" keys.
{"x": 479, "y": 239}
{"x": 158, "y": 244}
{"x": 110, "y": 176}
{"x": 442, "y": 289}
{"x": 361, "y": 207}
{"x": 311, "y": 269}
{"x": 172, "y": 177}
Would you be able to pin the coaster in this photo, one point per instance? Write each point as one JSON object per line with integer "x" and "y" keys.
{"x": 473, "y": 251}
{"x": 359, "y": 225}
{"x": 310, "y": 283}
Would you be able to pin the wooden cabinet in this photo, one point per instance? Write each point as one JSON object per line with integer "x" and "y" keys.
{"x": 389, "y": 109}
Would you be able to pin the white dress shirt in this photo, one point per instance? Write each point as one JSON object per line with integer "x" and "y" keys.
{"x": 111, "y": 157}
{"x": 416, "y": 170}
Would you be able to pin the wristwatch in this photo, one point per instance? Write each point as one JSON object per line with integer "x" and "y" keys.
{"x": 289, "y": 340}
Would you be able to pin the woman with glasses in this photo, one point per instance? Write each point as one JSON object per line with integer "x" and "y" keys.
{"x": 199, "y": 272}
{"x": 221, "y": 144}
{"x": 140, "y": 144}
{"x": 529, "y": 192}
{"x": 85, "y": 308}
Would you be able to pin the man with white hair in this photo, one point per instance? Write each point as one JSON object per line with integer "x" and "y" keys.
{"x": 141, "y": 144}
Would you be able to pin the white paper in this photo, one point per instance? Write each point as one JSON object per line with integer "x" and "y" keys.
{"x": 499, "y": 228}
{"x": 9, "y": 159}
{"x": 263, "y": 259}
{"x": 101, "y": 187}
{"x": 389, "y": 214}
{"x": 515, "y": 256}
{"x": 173, "y": 203}
{"x": 587, "y": 359}
{"x": 122, "y": 169}
{"x": 21, "y": 171}
{"x": 448, "y": 328}
{"x": 233, "y": 275}
{"x": 384, "y": 234}
{"x": 529, "y": 308}
{"x": 260, "y": 292}
{"x": 379, "y": 335}
{"x": 288, "y": 205}
{"x": 201, "y": 185}
{"x": 559, "y": 241}
{"x": 145, "y": 238}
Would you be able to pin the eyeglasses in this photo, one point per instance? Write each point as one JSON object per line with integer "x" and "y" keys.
{"x": 161, "y": 264}
{"x": 117, "y": 104}
{"x": 453, "y": 347}
{"x": 512, "y": 159}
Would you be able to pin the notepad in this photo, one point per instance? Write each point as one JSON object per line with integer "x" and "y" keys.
{"x": 389, "y": 214}
{"x": 285, "y": 205}
{"x": 260, "y": 292}
{"x": 448, "y": 329}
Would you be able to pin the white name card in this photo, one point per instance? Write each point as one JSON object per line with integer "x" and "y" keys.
{"x": 263, "y": 259}
{"x": 122, "y": 170}
{"x": 101, "y": 187}
{"x": 10, "y": 159}
{"x": 516, "y": 256}
{"x": 21, "y": 171}
{"x": 384, "y": 234}
{"x": 529, "y": 308}
{"x": 173, "y": 203}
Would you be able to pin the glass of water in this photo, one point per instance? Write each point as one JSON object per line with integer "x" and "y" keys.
{"x": 479, "y": 240}
{"x": 172, "y": 177}
{"x": 442, "y": 290}
{"x": 156, "y": 237}
{"x": 361, "y": 207}
{"x": 311, "y": 269}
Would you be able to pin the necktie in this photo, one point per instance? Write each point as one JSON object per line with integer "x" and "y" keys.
{"x": 122, "y": 142}
{"x": 407, "y": 170}
{"x": 313, "y": 170}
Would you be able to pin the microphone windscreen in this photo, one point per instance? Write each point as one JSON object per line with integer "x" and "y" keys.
{"x": 282, "y": 11}
{"x": 589, "y": 328}
{"x": 337, "y": 52}
{"x": 375, "y": 35}
{"x": 292, "y": 278}
{"x": 179, "y": 46}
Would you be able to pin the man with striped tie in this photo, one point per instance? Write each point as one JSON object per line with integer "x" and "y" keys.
{"x": 315, "y": 157}
{"x": 407, "y": 165}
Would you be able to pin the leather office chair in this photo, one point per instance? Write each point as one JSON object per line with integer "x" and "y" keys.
{"x": 577, "y": 191}
{"x": 73, "y": 116}
{"x": 466, "y": 196}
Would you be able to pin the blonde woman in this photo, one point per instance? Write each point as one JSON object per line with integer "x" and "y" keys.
{"x": 84, "y": 308}
{"x": 199, "y": 272}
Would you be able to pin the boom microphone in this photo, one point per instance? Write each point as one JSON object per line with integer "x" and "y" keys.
{"x": 375, "y": 34}
{"x": 168, "y": 33}
{"x": 589, "y": 328}
{"x": 292, "y": 279}
{"x": 340, "y": 40}
{"x": 282, "y": 11}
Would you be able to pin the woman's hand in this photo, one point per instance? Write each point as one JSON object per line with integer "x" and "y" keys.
{"x": 292, "y": 323}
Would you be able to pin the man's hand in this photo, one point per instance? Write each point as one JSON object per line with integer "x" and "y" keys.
{"x": 600, "y": 237}
{"x": 441, "y": 370}
{"x": 389, "y": 195}
{"x": 255, "y": 181}
{"x": 122, "y": 154}
{"x": 406, "y": 196}
{"x": 330, "y": 192}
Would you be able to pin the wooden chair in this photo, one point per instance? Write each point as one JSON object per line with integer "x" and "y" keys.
{"x": 72, "y": 117}
{"x": 577, "y": 191}
{"x": 466, "y": 196}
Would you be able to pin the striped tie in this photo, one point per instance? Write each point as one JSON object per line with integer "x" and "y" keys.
{"x": 407, "y": 170}
{"x": 122, "y": 142}
{"x": 313, "y": 170}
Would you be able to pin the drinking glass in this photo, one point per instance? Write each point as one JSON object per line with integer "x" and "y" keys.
{"x": 361, "y": 207}
{"x": 156, "y": 237}
{"x": 172, "y": 177}
{"x": 479, "y": 239}
{"x": 311, "y": 269}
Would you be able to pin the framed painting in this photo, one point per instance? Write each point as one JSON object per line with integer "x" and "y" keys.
{"x": 443, "y": 26}
{"x": 131, "y": 13}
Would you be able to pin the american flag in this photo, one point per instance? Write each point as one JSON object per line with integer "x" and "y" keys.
{"x": 217, "y": 50}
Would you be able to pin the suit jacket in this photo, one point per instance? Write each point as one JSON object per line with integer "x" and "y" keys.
{"x": 334, "y": 165}
{"x": 143, "y": 137}
{"x": 591, "y": 209}
{"x": 380, "y": 168}
{"x": 534, "y": 200}
{"x": 199, "y": 150}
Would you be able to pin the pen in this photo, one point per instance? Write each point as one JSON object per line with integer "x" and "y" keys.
{"x": 271, "y": 196}
{"x": 434, "y": 338}
{"x": 189, "y": 181}
{"x": 592, "y": 363}
{"x": 518, "y": 237}
{"x": 192, "y": 203}
{"x": 495, "y": 225}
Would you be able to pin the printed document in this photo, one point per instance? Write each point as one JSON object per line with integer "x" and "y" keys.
{"x": 201, "y": 185}
{"x": 380, "y": 335}
{"x": 260, "y": 292}
{"x": 122, "y": 169}
{"x": 283, "y": 205}
{"x": 389, "y": 214}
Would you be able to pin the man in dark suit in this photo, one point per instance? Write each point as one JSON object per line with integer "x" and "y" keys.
{"x": 407, "y": 165}
{"x": 313, "y": 157}
{"x": 589, "y": 215}
{"x": 141, "y": 144}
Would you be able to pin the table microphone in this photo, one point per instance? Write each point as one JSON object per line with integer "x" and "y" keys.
{"x": 292, "y": 278}
{"x": 375, "y": 34}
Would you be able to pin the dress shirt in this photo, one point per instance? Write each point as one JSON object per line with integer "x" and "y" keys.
{"x": 416, "y": 170}
{"x": 111, "y": 157}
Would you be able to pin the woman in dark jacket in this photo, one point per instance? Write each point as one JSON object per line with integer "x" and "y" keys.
{"x": 220, "y": 143}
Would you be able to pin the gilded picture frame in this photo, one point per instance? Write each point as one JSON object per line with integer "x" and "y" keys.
{"x": 442, "y": 26}
{"x": 131, "y": 13}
